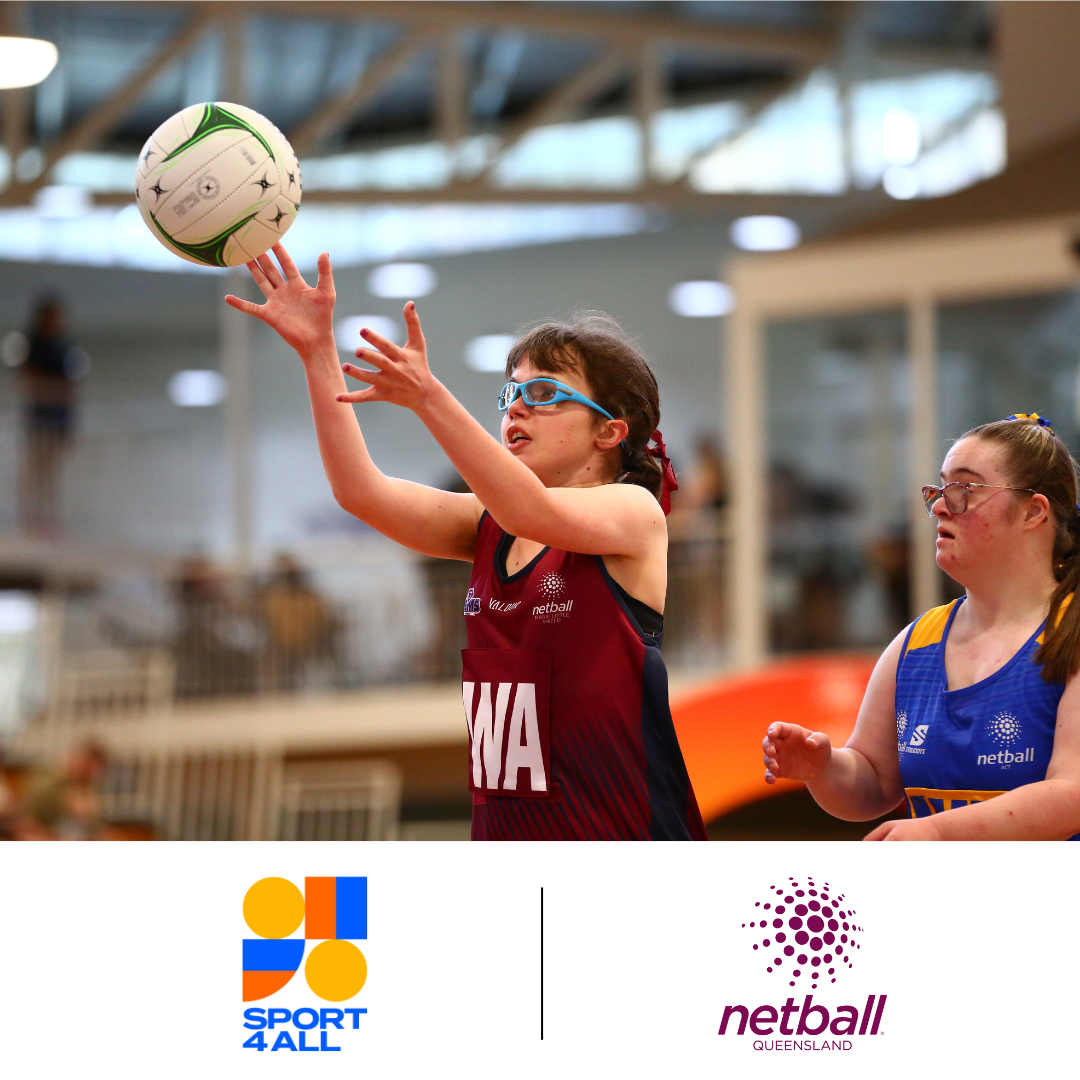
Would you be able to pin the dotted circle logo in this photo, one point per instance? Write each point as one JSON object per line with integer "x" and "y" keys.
{"x": 551, "y": 586}
{"x": 805, "y": 931}
{"x": 901, "y": 724}
{"x": 1004, "y": 729}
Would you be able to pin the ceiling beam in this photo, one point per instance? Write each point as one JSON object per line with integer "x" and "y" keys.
{"x": 620, "y": 28}
{"x": 335, "y": 113}
{"x": 678, "y": 196}
{"x": 107, "y": 113}
{"x": 559, "y": 104}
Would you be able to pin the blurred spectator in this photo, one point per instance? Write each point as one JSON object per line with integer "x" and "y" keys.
{"x": 301, "y": 629}
{"x": 64, "y": 804}
{"x": 812, "y": 568}
{"x": 703, "y": 492}
{"x": 49, "y": 367}
{"x": 217, "y": 641}
{"x": 890, "y": 556}
{"x": 447, "y": 582}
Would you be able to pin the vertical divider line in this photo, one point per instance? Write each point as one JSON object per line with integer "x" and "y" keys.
{"x": 541, "y": 963}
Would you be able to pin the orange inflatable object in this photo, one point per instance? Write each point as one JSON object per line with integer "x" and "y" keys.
{"x": 721, "y": 727}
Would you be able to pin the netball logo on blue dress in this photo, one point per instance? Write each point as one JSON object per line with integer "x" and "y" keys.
{"x": 918, "y": 735}
{"x": 1006, "y": 731}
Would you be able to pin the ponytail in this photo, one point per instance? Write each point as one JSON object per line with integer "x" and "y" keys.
{"x": 1036, "y": 459}
{"x": 1059, "y": 653}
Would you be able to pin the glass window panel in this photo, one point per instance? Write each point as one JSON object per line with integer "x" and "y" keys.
{"x": 838, "y": 393}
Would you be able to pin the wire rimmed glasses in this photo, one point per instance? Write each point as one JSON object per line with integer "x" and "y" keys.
{"x": 957, "y": 492}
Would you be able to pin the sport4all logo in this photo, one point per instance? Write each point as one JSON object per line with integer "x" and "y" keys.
{"x": 333, "y": 913}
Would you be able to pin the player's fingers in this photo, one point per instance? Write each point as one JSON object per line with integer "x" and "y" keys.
{"x": 880, "y": 832}
{"x": 384, "y": 345}
{"x": 818, "y": 740}
{"x": 288, "y": 267}
{"x": 370, "y": 394}
{"x": 360, "y": 373}
{"x": 783, "y": 731}
{"x": 273, "y": 274}
{"x": 257, "y": 272}
{"x": 769, "y": 778}
{"x": 246, "y": 306}
{"x": 412, "y": 322}
{"x": 326, "y": 274}
{"x": 370, "y": 356}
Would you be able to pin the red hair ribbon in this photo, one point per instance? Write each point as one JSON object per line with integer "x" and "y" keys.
{"x": 670, "y": 482}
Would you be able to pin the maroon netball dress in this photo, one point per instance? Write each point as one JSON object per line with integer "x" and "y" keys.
{"x": 566, "y": 699}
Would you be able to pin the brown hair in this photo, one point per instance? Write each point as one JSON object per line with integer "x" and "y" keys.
{"x": 594, "y": 346}
{"x": 1034, "y": 457}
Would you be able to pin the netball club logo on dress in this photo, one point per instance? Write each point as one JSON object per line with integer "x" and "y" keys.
{"x": 807, "y": 937}
{"x": 472, "y": 603}
{"x": 918, "y": 735}
{"x": 552, "y": 588}
{"x": 333, "y": 911}
{"x": 1006, "y": 731}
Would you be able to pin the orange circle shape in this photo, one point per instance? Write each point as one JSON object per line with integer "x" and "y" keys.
{"x": 336, "y": 970}
{"x": 273, "y": 907}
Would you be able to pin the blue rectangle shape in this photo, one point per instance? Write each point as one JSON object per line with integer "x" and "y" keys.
{"x": 352, "y": 907}
{"x": 282, "y": 954}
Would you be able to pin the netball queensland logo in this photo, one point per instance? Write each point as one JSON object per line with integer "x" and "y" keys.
{"x": 804, "y": 934}
{"x": 315, "y": 929}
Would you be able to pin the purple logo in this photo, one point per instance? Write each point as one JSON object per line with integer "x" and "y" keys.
{"x": 805, "y": 931}
{"x": 472, "y": 603}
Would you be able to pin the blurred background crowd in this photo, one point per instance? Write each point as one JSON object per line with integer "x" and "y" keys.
{"x": 842, "y": 232}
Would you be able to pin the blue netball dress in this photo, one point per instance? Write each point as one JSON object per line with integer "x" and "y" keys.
{"x": 959, "y": 747}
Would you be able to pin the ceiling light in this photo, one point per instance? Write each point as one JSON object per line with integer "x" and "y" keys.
{"x": 58, "y": 201}
{"x": 901, "y": 139}
{"x": 764, "y": 232}
{"x": 488, "y": 352}
{"x": 25, "y": 61}
{"x": 405, "y": 281}
{"x": 347, "y": 331}
{"x": 197, "y": 389}
{"x": 701, "y": 299}
{"x": 900, "y": 182}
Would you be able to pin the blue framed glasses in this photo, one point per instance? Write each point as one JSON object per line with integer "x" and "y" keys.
{"x": 544, "y": 392}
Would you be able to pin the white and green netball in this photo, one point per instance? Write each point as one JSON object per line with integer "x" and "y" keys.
{"x": 218, "y": 184}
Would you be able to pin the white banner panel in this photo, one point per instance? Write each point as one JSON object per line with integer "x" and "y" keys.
{"x": 126, "y": 960}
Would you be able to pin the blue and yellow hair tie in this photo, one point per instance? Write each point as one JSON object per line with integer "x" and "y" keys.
{"x": 1040, "y": 420}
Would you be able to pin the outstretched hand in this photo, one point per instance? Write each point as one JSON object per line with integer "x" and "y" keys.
{"x": 303, "y": 316}
{"x": 795, "y": 753}
{"x": 402, "y": 375}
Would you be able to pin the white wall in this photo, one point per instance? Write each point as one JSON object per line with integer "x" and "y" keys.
{"x": 148, "y": 474}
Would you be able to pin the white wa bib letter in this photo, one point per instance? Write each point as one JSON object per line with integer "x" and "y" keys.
{"x": 530, "y": 754}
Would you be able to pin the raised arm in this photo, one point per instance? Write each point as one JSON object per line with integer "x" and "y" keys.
{"x": 609, "y": 519}
{"x": 857, "y": 782}
{"x": 425, "y": 519}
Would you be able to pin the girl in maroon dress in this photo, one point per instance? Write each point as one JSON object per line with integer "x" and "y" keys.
{"x": 564, "y": 689}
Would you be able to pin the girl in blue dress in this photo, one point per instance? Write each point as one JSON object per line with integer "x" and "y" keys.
{"x": 972, "y": 715}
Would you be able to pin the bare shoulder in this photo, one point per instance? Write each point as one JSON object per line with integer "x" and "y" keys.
{"x": 632, "y": 499}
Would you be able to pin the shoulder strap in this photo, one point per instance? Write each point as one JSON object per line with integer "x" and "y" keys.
{"x": 929, "y": 628}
